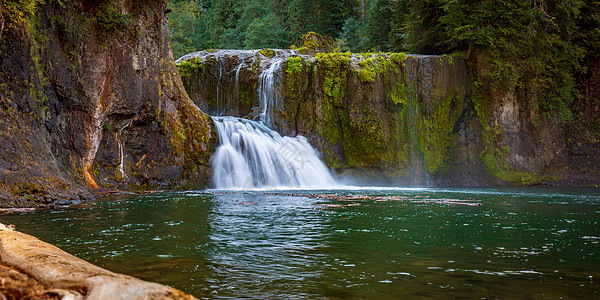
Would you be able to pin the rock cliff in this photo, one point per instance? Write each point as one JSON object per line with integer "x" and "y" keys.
{"x": 391, "y": 118}
{"x": 401, "y": 119}
{"x": 90, "y": 101}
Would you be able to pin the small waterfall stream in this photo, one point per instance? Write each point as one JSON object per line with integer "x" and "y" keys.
{"x": 250, "y": 155}
{"x": 267, "y": 93}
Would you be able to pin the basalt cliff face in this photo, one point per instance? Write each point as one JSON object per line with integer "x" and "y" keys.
{"x": 401, "y": 119}
{"x": 387, "y": 118}
{"x": 90, "y": 101}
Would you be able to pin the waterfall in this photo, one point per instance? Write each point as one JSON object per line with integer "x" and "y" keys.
{"x": 267, "y": 93}
{"x": 236, "y": 86}
{"x": 219, "y": 112}
{"x": 250, "y": 155}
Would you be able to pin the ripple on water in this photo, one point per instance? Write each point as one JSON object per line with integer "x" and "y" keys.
{"x": 530, "y": 243}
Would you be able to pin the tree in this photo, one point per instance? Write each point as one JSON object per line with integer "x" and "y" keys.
{"x": 351, "y": 35}
{"x": 188, "y": 26}
{"x": 377, "y": 27}
{"x": 530, "y": 44}
{"x": 266, "y": 32}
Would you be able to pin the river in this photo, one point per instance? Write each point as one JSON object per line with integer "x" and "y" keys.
{"x": 370, "y": 243}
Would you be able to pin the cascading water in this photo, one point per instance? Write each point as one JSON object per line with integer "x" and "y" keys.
{"x": 250, "y": 155}
{"x": 267, "y": 93}
{"x": 236, "y": 86}
{"x": 219, "y": 84}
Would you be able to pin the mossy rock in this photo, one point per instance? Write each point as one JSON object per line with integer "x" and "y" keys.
{"x": 313, "y": 43}
{"x": 270, "y": 53}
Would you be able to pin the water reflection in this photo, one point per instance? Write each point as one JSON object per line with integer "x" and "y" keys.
{"x": 522, "y": 243}
{"x": 268, "y": 244}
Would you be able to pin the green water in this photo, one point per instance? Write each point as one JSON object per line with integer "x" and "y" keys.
{"x": 521, "y": 243}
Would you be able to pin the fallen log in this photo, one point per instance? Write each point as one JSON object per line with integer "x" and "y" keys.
{"x": 70, "y": 277}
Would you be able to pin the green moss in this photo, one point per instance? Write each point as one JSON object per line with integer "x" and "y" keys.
{"x": 245, "y": 94}
{"x": 364, "y": 142}
{"x": 435, "y": 133}
{"x": 372, "y": 65}
{"x": 303, "y": 50}
{"x": 189, "y": 67}
{"x": 192, "y": 137}
{"x": 332, "y": 70}
{"x": 399, "y": 94}
{"x": 294, "y": 65}
{"x": 398, "y": 58}
{"x": 270, "y": 53}
{"x": 494, "y": 154}
{"x": 256, "y": 64}
{"x": 367, "y": 75}
{"x": 334, "y": 67}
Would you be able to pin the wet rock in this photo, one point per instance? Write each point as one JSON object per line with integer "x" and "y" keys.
{"x": 386, "y": 118}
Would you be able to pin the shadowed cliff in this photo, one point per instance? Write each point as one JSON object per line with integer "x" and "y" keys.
{"x": 91, "y": 101}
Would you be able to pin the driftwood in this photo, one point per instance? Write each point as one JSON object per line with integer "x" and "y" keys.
{"x": 68, "y": 277}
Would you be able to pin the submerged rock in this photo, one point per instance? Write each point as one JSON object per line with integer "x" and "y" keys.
{"x": 64, "y": 276}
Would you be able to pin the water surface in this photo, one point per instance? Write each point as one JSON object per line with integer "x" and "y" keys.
{"x": 520, "y": 243}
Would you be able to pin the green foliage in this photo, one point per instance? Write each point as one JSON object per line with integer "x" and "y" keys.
{"x": 253, "y": 24}
{"x": 351, "y": 35}
{"x": 189, "y": 27}
{"x": 266, "y": 32}
{"x": 530, "y": 47}
{"x": 18, "y": 11}
{"x": 377, "y": 27}
{"x": 294, "y": 65}
{"x": 189, "y": 67}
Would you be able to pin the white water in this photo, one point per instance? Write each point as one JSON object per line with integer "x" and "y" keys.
{"x": 252, "y": 156}
{"x": 267, "y": 93}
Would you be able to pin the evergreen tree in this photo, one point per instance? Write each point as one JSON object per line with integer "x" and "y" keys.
{"x": 351, "y": 35}
{"x": 301, "y": 18}
{"x": 189, "y": 27}
{"x": 266, "y": 33}
{"x": 377, "y": 26}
